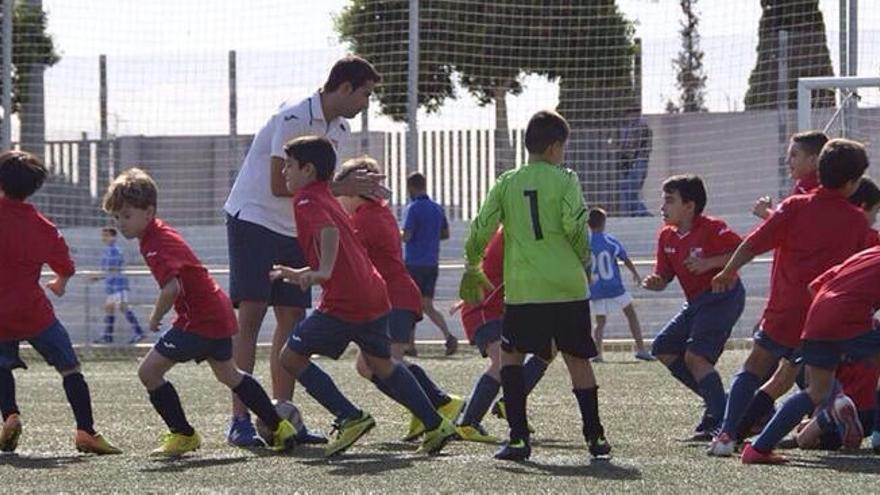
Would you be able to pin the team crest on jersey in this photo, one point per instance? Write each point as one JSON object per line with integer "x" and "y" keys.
{"x": 696, "y": 252}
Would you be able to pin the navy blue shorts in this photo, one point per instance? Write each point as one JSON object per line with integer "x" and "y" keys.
{"x": 401, "y": 325}
{"x": 703, "y": 325}
{"x": 325, "y": 335}
{"x": 486, "y": 334}
{"x": 828, "y": 354}
{"x": 53, "y": 344}
{"x": 425, "y": 277}
{"x": 181, "y": 346}
{"x": 778, "y": 350}
{"x": 253, "y": 249}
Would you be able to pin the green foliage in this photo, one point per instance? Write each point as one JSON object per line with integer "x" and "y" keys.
{"x": 690, "y": 78}
{"x": 32, "y": 47}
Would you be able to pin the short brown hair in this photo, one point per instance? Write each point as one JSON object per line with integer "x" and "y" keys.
{"x": 133, "y": 187}
{"x": 360, "y": 163}
{"x": 867, "y": 195}
{"x": 811, "y": 141}
{"x": 691, "y": 189}
{"x": 351, "y": 69}
{"x": 596, "y": 218}
{"x": 545, "y": 128}
{"x": 841, "y": 161}
{"x": 21, "y": 174}
{"x": 315, "y": 150}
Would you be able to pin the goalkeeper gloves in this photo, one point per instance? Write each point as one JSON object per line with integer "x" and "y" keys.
{"x": 473, "y": 284}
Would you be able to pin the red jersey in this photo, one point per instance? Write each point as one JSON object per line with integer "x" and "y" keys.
{"x": 491, "y": 308}
{"x": 27, "y": 241}
{"x": 355, "y": 291}
{"x": 806, "y": 185}
{"x": 859, "y": 382}
{"x": 377, "y": 229}
{"x": 846, "y": 297}
{"x": 707, "y": 237}
{"x": 201, "y": 305}
{"x": 810, "y": 233}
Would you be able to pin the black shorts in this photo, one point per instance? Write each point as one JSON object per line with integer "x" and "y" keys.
{"x": 535, "y": 328}
{"x": 425, "y": 277}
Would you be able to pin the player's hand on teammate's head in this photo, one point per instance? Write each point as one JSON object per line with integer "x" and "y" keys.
{"x": 363, "y": 183}
{"x": 762, "y": 207}
{"x": 654, "y": 282}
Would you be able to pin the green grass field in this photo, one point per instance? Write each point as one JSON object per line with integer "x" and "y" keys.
{"x": 646, "y": 416}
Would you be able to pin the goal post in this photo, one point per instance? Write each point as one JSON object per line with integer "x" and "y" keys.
{"x": 846, "y": 103}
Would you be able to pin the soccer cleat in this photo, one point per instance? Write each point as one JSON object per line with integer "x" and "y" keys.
{"x": 703, "y": 432}
{"x": 514, "y": 450}
{"x": 499, "y": 410}
{"x": 437, "y": 438}
{"x": 722, "y": 446}
{"x": 284, "y": 437}
{"x": 750, "y": 455}
{"x": 599, "y": 447}
{"x": 451, "y": 345}
{"x": 241, "y": 433}
{"x": 177, "y": 444}
{"x": 94, "y": 444}
{"x": 452, "y": 409}
{"x": 10, "y": 433}
{"x": 875, "y": 441}
{"x": 475, "y": 433}
{"x": 644, "y": 356}
{"x": 416, "y": 428}
{"x": 347, "y": 432}
{"x": 847, "y": 418}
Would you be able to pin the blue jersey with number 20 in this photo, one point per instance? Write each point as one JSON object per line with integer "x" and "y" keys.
{"x": 606, "y": 250}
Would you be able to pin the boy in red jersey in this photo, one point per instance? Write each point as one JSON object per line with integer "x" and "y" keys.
{"x": 839, "y": 326}
{"x": 354, "y": 304}
{"x": 28, "y": 240}
{"x": 803, "y": 166}
{"x": 377, "y": 229}
{"x": 805, "y": 231}
{"x": 693, "y": 247}
{"x": 205, "y": 321}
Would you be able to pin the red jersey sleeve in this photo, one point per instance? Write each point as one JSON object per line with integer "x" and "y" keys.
{"x": 310, "y": 216}
{"x": 821, "y": 280}
{"x": 724, "y": 239}
{"x": 161, "y": 261}
{"x": 769, "y": 234}
{"x": 57, "y": 253}
{"x": 662, "y": 266}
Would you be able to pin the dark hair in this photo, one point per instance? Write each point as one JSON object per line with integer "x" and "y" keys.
{"x": 315, "y": 150}
{"x": 841, "y": 161}
{"x": 109, "y": 230}
{"x": 811, "y": 141}
{"x": 690, "y": 188}
{"x": 867, "y": 195}
{"x": 21, "y": 174}
{"x": 134, "y": 188}
{"x": 545, "y": 128}
{"x": 417, "y": 181}
{"x": 596, "y": 218}
{"x": 351, "y": 69}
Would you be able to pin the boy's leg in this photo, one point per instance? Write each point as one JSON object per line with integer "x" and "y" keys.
{"x": 403, "y": 388}
{"x": 109, "y": 320}
{"x": 598, "y": 334}
{"x": 635, "y": 328}
{"x": 669, "y": 347}
{"x": 486, "y": 388}
{"x": 131, "y": 318}
{"x": 163, "y": 396}
{"x": 247, "y": 389}
{"x": 762, "y": 359}
{"x": 10, "y": 429}
{"x": 426, "y": 278}
{"x": 401, "y": 325}
{"x": 514, "y": 392}
{"x": 244, "y": 343}
{"x": 762, "y": 402}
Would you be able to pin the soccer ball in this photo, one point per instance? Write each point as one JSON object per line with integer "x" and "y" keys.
{"x": 286, "y": 410}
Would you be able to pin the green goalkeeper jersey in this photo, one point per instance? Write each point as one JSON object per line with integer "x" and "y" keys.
{"x": 546, "y": 246}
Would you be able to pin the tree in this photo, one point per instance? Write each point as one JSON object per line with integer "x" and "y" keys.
{"x": 807, "y": 53}
{"x": 32, "y": 51}
{"x": 690, "y": 79}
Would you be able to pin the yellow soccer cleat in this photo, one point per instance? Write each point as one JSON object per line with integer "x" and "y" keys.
{"x": 94, "y": 444}
{"x": 437, "y": 438}
{"x": 452, "y": 409}
{"x": 10, "y": 433}
{"x": 499, "y": 410}
{"x": 176, "y": 444}
{"x": 475, "y": 433}
{"x": 348, "y": 432}
{"x": 416, "y": 429}
{"x": 284, "y": 437}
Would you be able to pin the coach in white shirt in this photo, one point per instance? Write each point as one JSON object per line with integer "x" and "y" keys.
{"x": 261, "y": 230}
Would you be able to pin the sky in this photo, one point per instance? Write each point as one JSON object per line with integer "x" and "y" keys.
{"x": 167, "y": 61}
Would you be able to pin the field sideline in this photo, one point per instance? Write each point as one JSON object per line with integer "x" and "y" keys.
{"x": 646, "y": 415}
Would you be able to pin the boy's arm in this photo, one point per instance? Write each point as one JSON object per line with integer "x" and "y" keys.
{"x": 663, "y": 272}
{"x": 574, "y": 226}
{"x": 306, "y": 277}
{"x": 485, "y": 224}
{"x": 164, "y": 303}
{"x": 59, "y": 260}
{"x": 726, "y": 278}
{"x": 632, "y": 269}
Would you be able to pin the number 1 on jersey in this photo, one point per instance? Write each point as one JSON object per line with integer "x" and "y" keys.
{"x": 533, "y": 210}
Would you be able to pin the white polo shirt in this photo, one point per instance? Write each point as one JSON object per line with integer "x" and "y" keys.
{"x": 251, "y": 196}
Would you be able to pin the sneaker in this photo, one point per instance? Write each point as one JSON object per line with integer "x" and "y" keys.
{"x": 10, "y": 433}
{"x": 475, "y": 433}
{"x": 750, "y": 455}
{"x": 452, "y": 409}
{"x": 597, "y": 359}
{"x": 307, "y": 437}
{"x": 242, "y": 433}
{"x": 104, "y": 339}
{"x": 176, "y": 444}
{"x": 703, "y": 431}
{"x": 847, "y": 418}
{"x": 437, "y": 438}
{"x": 451, "y": 345}
{"x": 284, "y": 437}
{"x": 136, "y": 337}
{"x": 347, "y": 432}
{"x": 722, "y": 446}
{"x": 875, "y": 441}
{"x": 599, "y": 447}
{"x": 94, "y": 444}
{"x": 514, "y": 450}
{"x": 644, "y": 356}
{"x": 499, "y": 410}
